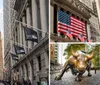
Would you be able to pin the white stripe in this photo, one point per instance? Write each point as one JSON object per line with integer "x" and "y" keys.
{"x": 66, "y": 31}
{"x": 71, "y": 27}
{"x": 77, "y": 32}
{"x": 78, "y": 20}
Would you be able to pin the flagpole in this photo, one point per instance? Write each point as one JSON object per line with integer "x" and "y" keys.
{"x": 31, "y": 26}
{"x": 17, "y": 44}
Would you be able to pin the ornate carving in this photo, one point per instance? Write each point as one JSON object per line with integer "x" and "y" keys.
{"x": 76, "y": 5}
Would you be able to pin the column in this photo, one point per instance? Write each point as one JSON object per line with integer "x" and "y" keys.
{"x": 28, "y": 16}
{"x": 51, "y": 18}
{"x": 43, "y": 14}
{"x": 20, "y": 33}
{"x": 20, "y": 36}
{"x": 98, "y": 9}
{"x": 46, "y": 59}
{"x": 88, "y": 31}
{"x": 25, "y": 73}
{"x": 34, "y": 15}
{"x": 30, "y": 69}
{"x": 21, "y": 72}
{"x": 24, "y": 41}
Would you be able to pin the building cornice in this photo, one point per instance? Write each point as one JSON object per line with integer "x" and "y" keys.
{"x": 73, "y": 4}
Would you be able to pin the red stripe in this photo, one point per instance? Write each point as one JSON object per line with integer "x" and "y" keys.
{"x": 82, "y": 29}
{"x": 76, "y": 35}
{"x": 76, "y": 27}
{"x": 74, "y": 23}
{"x": 73, "y": 31}
{"x": 59, "y": 23}
{"x": 71, "y": 27}
{"x": 77, "y": 20}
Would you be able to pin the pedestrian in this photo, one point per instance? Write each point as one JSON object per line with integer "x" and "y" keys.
{"x": 13, "y": 82}
{"x": 23, "y": 81}
{"x": 29, "y": 82}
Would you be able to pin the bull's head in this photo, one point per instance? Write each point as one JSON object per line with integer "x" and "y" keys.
{"x": 80, "y": 59}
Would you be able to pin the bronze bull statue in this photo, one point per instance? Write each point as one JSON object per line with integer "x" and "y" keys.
{"x": 78, "y": 62}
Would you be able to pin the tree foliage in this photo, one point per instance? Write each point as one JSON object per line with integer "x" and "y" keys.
{"x": 75, "y": 47}
{"x": 86, "y": 47}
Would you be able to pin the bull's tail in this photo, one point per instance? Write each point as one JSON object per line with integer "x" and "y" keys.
{"x": 65, "y": 68}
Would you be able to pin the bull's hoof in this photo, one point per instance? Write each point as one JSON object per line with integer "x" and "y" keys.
{"x": 89, "y": 75}
{"x": 78, "y": 79}
{"x": 57, "y": 78}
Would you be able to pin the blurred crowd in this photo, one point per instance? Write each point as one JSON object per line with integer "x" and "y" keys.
{"x": 17, "y": 82}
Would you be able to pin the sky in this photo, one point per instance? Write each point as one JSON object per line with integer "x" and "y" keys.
{"x": 1, "y": 16}
{"x": 61, "y": 57}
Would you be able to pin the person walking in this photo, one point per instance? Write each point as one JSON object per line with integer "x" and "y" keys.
{"x": 29, "y": 82}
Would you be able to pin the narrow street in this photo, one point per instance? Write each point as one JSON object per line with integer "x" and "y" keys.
{"x": 69, "y": 79}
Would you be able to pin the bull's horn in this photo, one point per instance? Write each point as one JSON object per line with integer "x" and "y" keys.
{"x": 89, "y": 57}
{"x": 74, "y": 54}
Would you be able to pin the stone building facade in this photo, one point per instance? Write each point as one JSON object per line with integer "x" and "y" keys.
{"x": 81, "y": 9}
{"x": 1, "y": 57}
{"x": 98, "y": 8}
{"x": 54, "y": 53}
{"x": 33, "y": 64}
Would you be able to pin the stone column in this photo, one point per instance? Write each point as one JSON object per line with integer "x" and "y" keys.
{"x": 20, "y": 33}
{"x": 30, "y": 69}
{"x": 28, "y": 16}
{"x": 88, "y": 31}
{"x": 43, "y": 14}
{"x": 98, "y": 9}
{"x": 51, "y": 18}
{"x": 21, "y": 72}
{"x": 20, "y": 36}
{"x": 25, "y": 73}
{"x": 24, "y": 41}
{"x": 34, "y": 15}
{"x": 46, "y": 60}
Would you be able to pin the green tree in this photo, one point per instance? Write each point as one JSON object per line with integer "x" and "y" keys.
{"x": 96, "y": 59}
{"x": 75, "y": 47}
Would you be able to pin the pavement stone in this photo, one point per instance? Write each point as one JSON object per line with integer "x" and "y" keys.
{"x": 69, "y": 79}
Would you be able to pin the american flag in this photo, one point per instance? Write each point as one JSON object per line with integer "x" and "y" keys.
{"x": 66, "y": 21}
{"x": 69, "y": 34}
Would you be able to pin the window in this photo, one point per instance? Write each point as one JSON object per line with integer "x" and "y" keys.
{"x": 39, "y": 62}
{"x": 55, "y": 19}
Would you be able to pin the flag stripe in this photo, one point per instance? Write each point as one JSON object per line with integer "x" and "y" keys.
{"x": 72, "y": 30}
{"x": 64, "y": 32}
{"x": 76, "y": 26}
{"x": 73, "y": 33}
{"x": 73, "y": 18}
{"x": 71, "y": 27}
